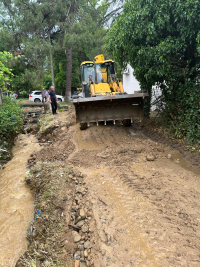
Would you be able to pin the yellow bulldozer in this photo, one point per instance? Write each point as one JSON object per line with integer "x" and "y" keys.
{"x": 103, "y": 98}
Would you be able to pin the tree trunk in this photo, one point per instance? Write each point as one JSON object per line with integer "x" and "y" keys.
{"x": 51, "y": 62}
{"x": 1, "y": 100}
{"x": 68, "y": 74}
{"x": 36, "y": 60}
{"x": 39, "y": 77}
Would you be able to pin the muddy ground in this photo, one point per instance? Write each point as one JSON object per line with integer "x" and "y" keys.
{"x": 138, "y": 198}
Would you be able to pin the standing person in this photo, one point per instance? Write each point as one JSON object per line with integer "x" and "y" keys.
{"x": 29, "y": 92}
{"x": 47, "y": 95}
{"x": 43, "y": 95}
{"x": 53, "y": 100}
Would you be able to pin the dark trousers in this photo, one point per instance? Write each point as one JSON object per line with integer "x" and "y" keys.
{"x": 53, "y": 105}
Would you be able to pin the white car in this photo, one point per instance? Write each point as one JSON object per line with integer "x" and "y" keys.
{"x": 36, "y": 96}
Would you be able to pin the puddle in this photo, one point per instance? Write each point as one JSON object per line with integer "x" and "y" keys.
{"x": 179, "y": 159}
{"x": 176, "y": 156}
{"x": 16, "y": 202}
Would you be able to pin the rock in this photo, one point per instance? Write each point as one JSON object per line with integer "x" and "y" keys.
{"x": 91, "y": 230}
{"x": 76, "y": 256}
{"x": 82, "y": 213}
{"x": 77, "y": 263}
{"x": 108, "y": 237}
{"x": 87, "y": 244}
{"x": 169, "y": 156}
{"x": 77, "y": 238}
{"x": 77, "y": 200}
{"x": 78, "y": 219}
{"x": 78, "y": 253}
{"x": 89, "y": 258}
{"x": 81, "y": 247}
{"x": 103, "y": 155}
{"x": 80, "y": 224}
{"x": 88, "y": 263}
{"x": 103, "y": 236}
{"x": 83, "y": 264}
{"x": 79, "y": 189}
{"x": 86, "y": 210}
{"x": 150, "y": 158}
{"x": 85, "y": 253}
{"x": 84, "y": 229}
{"x": 103, "y": 252}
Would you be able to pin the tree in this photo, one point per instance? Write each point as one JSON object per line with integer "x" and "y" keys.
{"x": 159, "y": 39}
{"x": 43, "y": 29}
{"x": 5, "y": 72}
{"x": 13, "y": 38}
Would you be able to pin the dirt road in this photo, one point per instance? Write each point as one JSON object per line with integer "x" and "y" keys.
{"x": 149, "y": 210}
{"x": 143, "y": 213}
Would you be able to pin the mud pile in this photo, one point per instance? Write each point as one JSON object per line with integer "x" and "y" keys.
{"x": 61, "y": 232}
{"x": 46, "y": 235}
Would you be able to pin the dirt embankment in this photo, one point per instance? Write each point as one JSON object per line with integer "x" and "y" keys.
{"x": 60, "y": 234}
{"x": 110, "y": 196}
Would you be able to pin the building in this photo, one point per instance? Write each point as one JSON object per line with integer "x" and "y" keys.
{"x": 131, "y": 85}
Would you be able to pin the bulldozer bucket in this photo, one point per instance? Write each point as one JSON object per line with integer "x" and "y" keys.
{"x": 109, "y": 108}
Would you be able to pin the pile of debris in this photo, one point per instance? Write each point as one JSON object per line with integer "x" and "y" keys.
{"x": 82, "y": 224}
{"x": 49, "y": 242}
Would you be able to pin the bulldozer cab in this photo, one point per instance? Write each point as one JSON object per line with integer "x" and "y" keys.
{"x": 96, "y": 77}
{"x": 87, "y": 74}
{"x": 104, "y": 72}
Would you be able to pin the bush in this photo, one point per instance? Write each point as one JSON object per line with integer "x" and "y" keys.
{"x": 161, "y": 41}
{"x": 10, "y": 118}
{"x": 182, "y": 111}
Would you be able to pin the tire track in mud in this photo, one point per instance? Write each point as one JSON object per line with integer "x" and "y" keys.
{"x": 132, "y": 246}
{"x": 159, "y": 221}
{"x": 151, "y": 214}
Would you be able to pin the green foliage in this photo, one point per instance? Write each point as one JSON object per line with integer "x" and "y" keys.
{"x": 160, "y": 39}
{"x": 10, "y": 118}
{"x": 5, "y": 72}
{"x": 184, "y": 115}
{"x": 60, "y": 73}
{"x": 47, "y": 81}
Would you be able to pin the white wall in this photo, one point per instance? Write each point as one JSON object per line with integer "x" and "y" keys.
{"x": 130, "y": 83}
